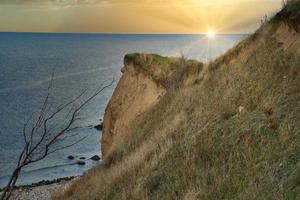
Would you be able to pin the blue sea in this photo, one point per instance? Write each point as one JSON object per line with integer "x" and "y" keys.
{"x": 78, "y": 62}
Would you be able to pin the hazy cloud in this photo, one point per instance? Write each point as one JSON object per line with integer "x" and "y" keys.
{"x": 134, "y": 16}
{"x": 49, "y": 2}
{"x": 149, "y": 2}
{"x": 82, "y": 2}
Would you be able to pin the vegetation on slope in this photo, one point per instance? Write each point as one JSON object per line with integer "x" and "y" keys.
{"x": 169, "y": 72}
{"x": 234, "y": 134}
{"x": 290, "y": 15}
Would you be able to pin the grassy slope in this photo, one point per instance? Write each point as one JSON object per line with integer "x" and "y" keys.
{"x": 197, "y": 145}
{"x": 164, "y": 70}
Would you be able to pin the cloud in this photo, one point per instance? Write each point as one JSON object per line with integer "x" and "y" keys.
{"x": 134, "y": 16}
{"x": 79, "y": 2}
{"x": 49, "y": 2}
{"x": 149, "y": 2}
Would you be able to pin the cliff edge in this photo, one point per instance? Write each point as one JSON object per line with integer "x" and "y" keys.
{"x": 145, "y": 80}
{"x": 135, "y": 94}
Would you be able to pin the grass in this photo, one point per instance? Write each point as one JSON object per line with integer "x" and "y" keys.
{"x": 197, "y": 143}
{"x": 290, "y": 14}
{"x": 293, "y": 7}
{"x": 164, "y": 70}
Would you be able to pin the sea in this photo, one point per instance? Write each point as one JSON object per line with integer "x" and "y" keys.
{"x": 71, "y": 64}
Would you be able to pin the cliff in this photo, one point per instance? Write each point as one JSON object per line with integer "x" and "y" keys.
{"x": 135, "y": 94}
{"x": 144, "y": 82}
{"x": 228, "y": 131}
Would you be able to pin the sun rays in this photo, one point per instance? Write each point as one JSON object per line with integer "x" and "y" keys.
{"x": 134, "y": 16}
{"x": 211, "y": 34}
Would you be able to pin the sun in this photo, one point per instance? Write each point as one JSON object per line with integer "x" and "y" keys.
{"x": 211, "y": 34}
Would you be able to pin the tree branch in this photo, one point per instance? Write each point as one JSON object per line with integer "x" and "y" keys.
{"x": 41, "y": 139}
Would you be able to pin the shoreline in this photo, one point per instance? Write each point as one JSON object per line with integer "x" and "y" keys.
{"x": 42, "y": 190}
{"x": 43, "y": 183}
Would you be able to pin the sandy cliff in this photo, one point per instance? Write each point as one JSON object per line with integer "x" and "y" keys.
{"x": 136, "y": 93}
{"x": 146, "y": 79}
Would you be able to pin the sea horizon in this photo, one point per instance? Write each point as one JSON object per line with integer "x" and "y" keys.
{"x": 121, "y": 34}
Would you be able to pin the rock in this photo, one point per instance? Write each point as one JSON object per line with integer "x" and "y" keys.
{"x": 82, "y": 158}
{"x": 241, "y": 109}
{"x": 48, "y": 182}
{"x": 95, "y": 158}
{"x": 80, "y": 162}
{"x": 99, "y": 127}
{"x": 71, "y": 157}
{"x": 123, "y": 70}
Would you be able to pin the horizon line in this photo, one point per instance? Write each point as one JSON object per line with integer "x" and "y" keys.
{"x": 111, "y": 33}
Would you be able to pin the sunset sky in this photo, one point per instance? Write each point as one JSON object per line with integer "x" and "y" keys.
{"x": 134, "y": 16}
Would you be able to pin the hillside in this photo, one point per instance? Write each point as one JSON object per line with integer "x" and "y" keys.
{"x": 229, "y": 131}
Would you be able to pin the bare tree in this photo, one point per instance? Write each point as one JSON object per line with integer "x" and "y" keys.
{"x": 42, "y": 136}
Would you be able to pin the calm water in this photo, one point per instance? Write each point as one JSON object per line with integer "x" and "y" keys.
{"x": 79, "y": 62}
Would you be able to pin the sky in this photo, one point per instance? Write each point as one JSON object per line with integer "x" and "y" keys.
{"x": 135, "y": 16}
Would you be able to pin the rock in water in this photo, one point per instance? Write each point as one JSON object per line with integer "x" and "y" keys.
{"x": 80, "y": 162}
{"x": 95, "y": 158}
{"x": 99, "y": 127}
{"x": 71, "y": 157}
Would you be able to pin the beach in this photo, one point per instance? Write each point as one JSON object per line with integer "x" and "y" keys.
{"x": 40, "y": 192}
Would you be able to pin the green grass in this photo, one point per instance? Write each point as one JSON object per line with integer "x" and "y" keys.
{"x": 164, "y": 70}
{"x": 293, "y": 7}
{"x": 157, "y": 66}
{"x": 290, "y": 15}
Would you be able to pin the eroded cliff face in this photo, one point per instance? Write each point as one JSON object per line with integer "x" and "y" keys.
{"x": 135, "y": 93}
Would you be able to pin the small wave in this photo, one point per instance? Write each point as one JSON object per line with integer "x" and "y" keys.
{"x": 42, "y": 169}
{"x": 47, "y": 80}
{"x": 49, "y": 167}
